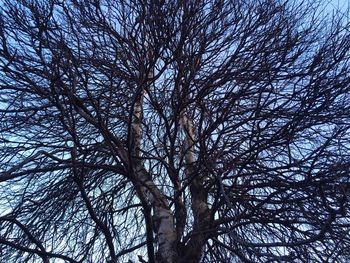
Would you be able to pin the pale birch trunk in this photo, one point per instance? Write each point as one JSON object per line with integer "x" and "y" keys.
{"x": 162, "y": 217}
{"x": 200, "y": 210}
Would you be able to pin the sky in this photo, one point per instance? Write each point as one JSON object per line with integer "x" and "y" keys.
{"x": 341, "y": 4}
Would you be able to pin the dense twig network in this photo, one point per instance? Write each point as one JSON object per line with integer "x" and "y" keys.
{"x": 174, "y": 131}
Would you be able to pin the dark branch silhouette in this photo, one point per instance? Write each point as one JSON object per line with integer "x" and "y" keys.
{"x": 174, "y": 131}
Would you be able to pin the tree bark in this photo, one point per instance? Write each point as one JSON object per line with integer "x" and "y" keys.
{"x": 200, "y": 210}
{"x": 163, "y": 221}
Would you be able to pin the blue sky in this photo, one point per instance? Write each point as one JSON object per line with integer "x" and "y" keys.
{"x": 341, "y": 4}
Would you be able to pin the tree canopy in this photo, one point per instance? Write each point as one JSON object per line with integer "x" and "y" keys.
{"x": 174, "y": 131}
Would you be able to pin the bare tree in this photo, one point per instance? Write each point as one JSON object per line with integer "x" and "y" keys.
{"x": 174, "y": 131}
